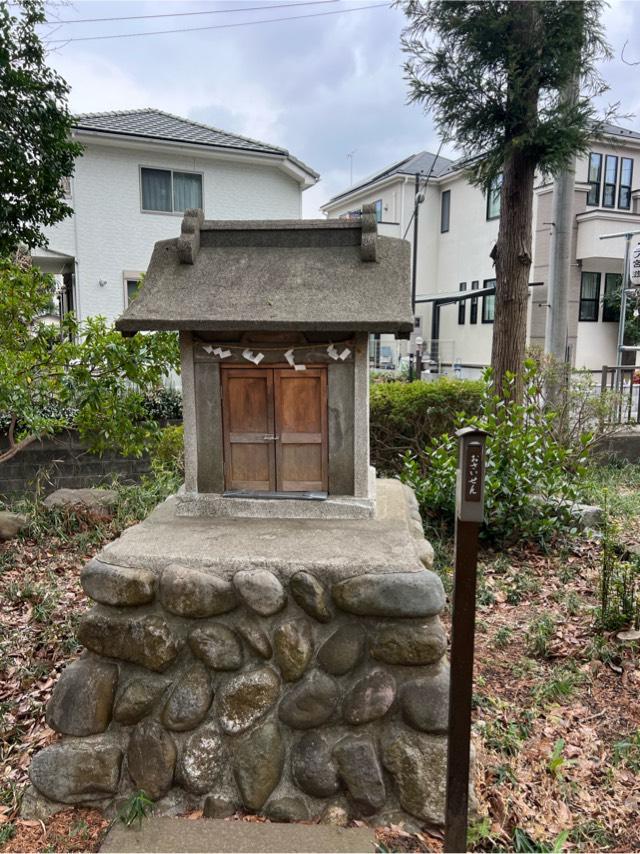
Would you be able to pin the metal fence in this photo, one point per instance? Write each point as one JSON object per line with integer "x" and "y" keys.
{"x": 622, "y": 384}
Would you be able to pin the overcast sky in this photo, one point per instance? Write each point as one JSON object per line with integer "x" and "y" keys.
{"x": 321, "y": 86}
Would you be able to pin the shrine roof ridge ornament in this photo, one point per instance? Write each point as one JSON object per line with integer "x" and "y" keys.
{"x": 277, "y": 275}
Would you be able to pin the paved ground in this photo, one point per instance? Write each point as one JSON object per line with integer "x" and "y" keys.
{"x": 213, "y": 835}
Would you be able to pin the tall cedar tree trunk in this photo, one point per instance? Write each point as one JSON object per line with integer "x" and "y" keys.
{"x": 513, "y": 248}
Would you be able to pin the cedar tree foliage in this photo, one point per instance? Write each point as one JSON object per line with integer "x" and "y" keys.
{"x": 35, "y": 132}
{"x": 77, "y": 375}
{"x": 495, "y": 75}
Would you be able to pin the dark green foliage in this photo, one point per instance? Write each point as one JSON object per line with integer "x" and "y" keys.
{"x": 35, "y": 131}
{"x": 619, "y": 591}
{"x": 470, "y": 67}
{"x": 168, "y": 454}
{"x": 405, "y": 417}
{"x": 163, "y": 404}
{"x": 529, "y": 484}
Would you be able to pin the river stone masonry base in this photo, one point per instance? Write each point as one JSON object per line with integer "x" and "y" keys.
{"x": 284, "y": 667}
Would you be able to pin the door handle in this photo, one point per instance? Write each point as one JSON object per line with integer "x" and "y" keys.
{"x": 270, "y": 438}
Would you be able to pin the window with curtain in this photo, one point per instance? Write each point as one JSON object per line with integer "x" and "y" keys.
{"x": 493, "y": 198}
{"x": 170, "y": 192}
{"x": 611, "y": 299}
{"x": 610, "y": 181}
{"x": 594, "y": 178}
{"x": 378, "y": 204}
{"x": 626, "y": 177}
{"x": 473, "y": 308}
{"x": 488, "y": 303}
{"x": 589, "y": 297}
{"x": 445, "y": 211}
{"x": 462, "y": 306}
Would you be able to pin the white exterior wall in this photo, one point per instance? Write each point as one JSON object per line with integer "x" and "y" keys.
{"x": 109, "y": 233}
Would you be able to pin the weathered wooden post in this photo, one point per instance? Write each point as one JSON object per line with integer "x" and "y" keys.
{"x": 469, "y": 516}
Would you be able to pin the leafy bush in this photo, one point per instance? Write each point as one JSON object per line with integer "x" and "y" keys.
{"x": 168, "y": 454}
{"x": 619, "y": 588}
{"x": 163, "y": 404}
{"x": 530, "y": 482}
{"x": 405, "y": 417}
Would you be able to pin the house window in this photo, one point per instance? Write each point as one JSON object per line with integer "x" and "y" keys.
{"x": 488, "y": 302}
{"x": 378, "y": 204}
{"x": 610, "y": 181}
{"x": 131, "y": 287}
{"x": 462, "y": 306}
{"x": 473, "y": 309}
{"x": 611, "y": 299}
{"x": 626, "y": 176}
{"x": 493, "y": 198}
{"x": 595, "y": 176}
{"x": 445, "y": 211}
{"x": 589, "y": 296}
{"x": 170, "y": 192}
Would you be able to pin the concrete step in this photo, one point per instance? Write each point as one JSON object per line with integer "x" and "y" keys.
{"x": 244, "y": 837}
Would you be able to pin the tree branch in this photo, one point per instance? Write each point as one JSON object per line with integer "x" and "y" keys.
{"x": 16, "y": 447}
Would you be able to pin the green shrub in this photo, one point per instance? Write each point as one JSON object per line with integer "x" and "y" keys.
{"x": 168, "y": 454}
{"x": 405, "y": 417}
{"x": 530, "y": 483}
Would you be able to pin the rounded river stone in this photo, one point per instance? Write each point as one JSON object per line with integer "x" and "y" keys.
{"x": 217, "y": 807}
{"x": 146, "y": 640}
{"x": 138, "y": 698}
{"x": 118, "y": 585}
{"x": 218, "y": 646}
{"x": 416, "y": 645}
{"x": 312, "y": 766}
{"x": 202, "y": 761}
{"x": 194, "y": 593}
{"x": 311, "y": 703}
{"x": 287, "y": 809}
{"x": 393, "y": 594}
{"x": 151, "y": 759}
{"x": 258, "y": 760}
{"x": 370, "y": 698}
{"x": 361, "y": 773}
{"x": 261, "y": 590}
{"x": 82, "y": 700}
{"x": 255, "y": 636}
{"x": 293, "y": 647}
{"x": 247, "y": 697}
{"x": 425, "y": 702}
{"x": 73, "y": 772}
{"x": 189, "y": 700}
{"x": 418, "y": 764}
{"x": 312, "y": 596}
{"x": 342, "y": 651}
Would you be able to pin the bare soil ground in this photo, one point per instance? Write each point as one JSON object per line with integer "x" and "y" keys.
{"x": 556, "y": 717}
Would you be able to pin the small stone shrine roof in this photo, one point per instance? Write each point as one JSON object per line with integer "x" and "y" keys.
{"x": 275, "y": 275}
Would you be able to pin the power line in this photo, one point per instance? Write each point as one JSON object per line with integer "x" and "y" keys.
{"x": 184, "y": 14}
{"x": 215, "y": 26}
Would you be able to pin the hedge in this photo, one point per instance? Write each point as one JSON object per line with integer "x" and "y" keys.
{"x": 407, "y": 416}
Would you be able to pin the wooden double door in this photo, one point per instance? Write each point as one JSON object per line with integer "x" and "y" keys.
{"x": 274, "y": 429}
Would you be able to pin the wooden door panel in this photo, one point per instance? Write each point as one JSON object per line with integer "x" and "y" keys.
{"x": 301, "y": 427}
{"x": 248, "y": 421}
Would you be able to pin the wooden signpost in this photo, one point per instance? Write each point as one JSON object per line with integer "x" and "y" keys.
{"x": 469, "y": 516}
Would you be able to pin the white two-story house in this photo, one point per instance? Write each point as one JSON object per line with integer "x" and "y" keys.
{"x": 140, "y": 170}
{"x": 457, "y": 229}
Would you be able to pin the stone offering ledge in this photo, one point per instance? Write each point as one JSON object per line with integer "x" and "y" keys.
{"x": 293, "y": 696}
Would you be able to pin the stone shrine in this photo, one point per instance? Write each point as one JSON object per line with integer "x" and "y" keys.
{"x": 269, "y": 639}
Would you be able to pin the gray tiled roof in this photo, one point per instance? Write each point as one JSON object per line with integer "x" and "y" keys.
{"x": 616, "y": 130}
{"x": 423, "y": 162}
{"x": 158, "y": 125}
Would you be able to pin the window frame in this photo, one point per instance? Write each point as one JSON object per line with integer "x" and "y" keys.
{"x": 447, "y": 194}
{"x": 485, "y": 302}
{"x": 610, "y": 315}
{"x": 129, "y": 276}
{"x": 378, "y": 206}
{"x": 596, "y": 184}
{"x": 613, "y": 185}
{"x": 169, "y": 169}
{"x": 462, "y": 307}
{"x": 591, "y": 300}
{"x": 622, "y": 186}
{"x": 491, "y": 190}
{"x": 473, "y": 308}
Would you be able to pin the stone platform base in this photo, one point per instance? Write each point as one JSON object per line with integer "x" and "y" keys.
{"x": 294, "y": 668}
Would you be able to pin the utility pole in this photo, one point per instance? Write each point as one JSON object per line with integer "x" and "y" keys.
{"x": 350, "y": 157}
{"x": 557, "y": 320}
